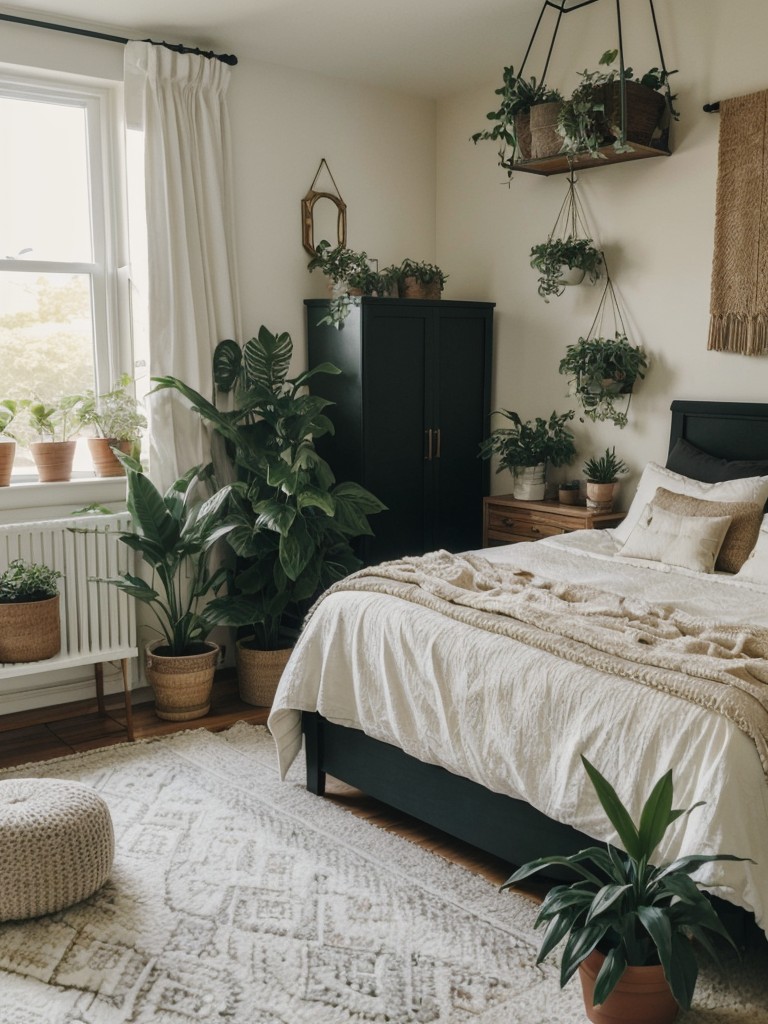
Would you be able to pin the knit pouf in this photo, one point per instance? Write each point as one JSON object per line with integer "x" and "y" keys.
{"x": 56, "y": 845}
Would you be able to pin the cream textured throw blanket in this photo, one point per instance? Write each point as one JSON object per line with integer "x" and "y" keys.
{"x": 717, "y": 666}
{"x": 739, "y": 303}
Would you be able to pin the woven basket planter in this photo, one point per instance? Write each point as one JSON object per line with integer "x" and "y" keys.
{"x": 545, "y": 138}
{"x": 259, "y": 672}
{"x": 30, "y": 631}
{"x": 182, "y": 684}
{"x": 412, "y": 288}
{"x": 644, "y": 110}
{"x": 53, "y": 460}
{"x": 523, "y": 133}
{"x": 7, "y": 455}
{"x": 104, "y": 461}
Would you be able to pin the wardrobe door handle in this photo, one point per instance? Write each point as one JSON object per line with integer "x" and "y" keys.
{"x": 428, "y": 445}
{"x": 437, "y": 451}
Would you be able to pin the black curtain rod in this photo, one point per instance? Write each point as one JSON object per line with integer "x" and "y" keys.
{"x": 711, "y": 108}
{"x": 225, "y": 58}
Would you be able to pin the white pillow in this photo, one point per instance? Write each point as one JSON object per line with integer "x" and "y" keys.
{"x": 691, "y": 542}
{"x": 750, "y": 488}
{"x": 755, "y": 568}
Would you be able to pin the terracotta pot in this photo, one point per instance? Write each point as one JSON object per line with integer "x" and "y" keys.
{"x": 641, "y": 996}
{"x": 30, "y": 630}
{"x": 412, "y": 288}
{"x": 53, "y": 459}
{"x": 105, "y": 462}
{"x": 600, "y": 497}
{"x": 259, "y": 672}
{"x": 7, "y": 454}
{"x": 182, "y": 684}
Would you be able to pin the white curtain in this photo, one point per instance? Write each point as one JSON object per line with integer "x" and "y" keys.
{"x": 179, "y": 100}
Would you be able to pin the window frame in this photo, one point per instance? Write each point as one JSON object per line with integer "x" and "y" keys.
{"x": 108, "y": 271}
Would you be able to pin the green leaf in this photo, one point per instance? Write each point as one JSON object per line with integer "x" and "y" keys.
{"x": 133, "y": 586}
{"x": 609, "y": 974}
{"x": 266, "y": 359}
{"x": 573, "y": 862}
{"x": 358, "y": 496}
{"x": 557, "y": 929}
{"x": 578, "y": 947}
{"x": 616, "y": 811}
{"x": 605, "y": 899}
{"x": 655, "y": 818}
{"x": 149, "y": 512}
{"x": 227, "y": 360}
{"x": 315, "y": 498}
{"x": 307, "y": 375}
{"x": 296, "y": 549}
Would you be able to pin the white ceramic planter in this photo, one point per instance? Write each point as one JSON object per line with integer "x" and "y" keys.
{"x": 571, "y": 275}
{"x": 529, "y": 482}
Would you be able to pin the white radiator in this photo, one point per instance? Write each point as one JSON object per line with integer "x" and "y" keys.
{"x": 98, "y": 621}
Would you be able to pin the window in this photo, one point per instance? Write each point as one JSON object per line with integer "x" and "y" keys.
{"x": 61, "y": 242}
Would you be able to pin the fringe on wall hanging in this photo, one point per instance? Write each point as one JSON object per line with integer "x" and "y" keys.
{"x": 739, "y": 302}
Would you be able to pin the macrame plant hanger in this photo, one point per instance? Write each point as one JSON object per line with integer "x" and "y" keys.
{"x": 571, "y": 218}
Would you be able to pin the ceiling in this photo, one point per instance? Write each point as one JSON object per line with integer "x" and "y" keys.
{"x": 421, "y": 47}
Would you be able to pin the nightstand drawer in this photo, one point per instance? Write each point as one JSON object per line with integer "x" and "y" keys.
{"x": 521, "y": 526}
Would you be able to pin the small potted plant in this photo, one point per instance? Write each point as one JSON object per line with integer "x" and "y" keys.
{"x": 173, "y": 534}
{"x": 629, "y": 925}
{"x": 55, "y": 426}
{"x": 591, "y": 117}
{"x": 349, "y": 273}
{"x": 565, "y": 261}
{"x": 602, "y": 373}
{"x": 118, "y": 420}
{"x": 418, "y": 280}
{"x": 569, "y": 492}
{"x": 527, "y": 446}
{"x": 513, "y": 128}
{"x": 30, "y": 627}
{"x": 602, "y": 475}
{"x": 8, "y": 408}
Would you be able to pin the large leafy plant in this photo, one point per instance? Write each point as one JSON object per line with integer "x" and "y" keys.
{"x": 531, "y": 442}
{"x": 174, "y": 534}
{"x": 637, "y": 913}
{"x": 292, "y": 523}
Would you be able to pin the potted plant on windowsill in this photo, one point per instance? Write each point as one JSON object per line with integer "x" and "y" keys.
{"x": 602, "y": 373}
{"x": 627, "y": 922}
{"x": 174, "y": 534}
{"x": 30, "y": 628}
{"x": 526, "y": 447}
{"x": 8, "y": 408}
{"x": 602, "y": 475}
{"x": 418, "y": 280}
{"x": 118, "y": 421}
{"x": 293, "y": 523}
{"x": 55, "y": 426}
{"x": 513, "y": 128}
{"x": 565, "y": 261}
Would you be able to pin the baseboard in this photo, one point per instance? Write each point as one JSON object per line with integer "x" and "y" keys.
{"x": 29, "y": 692}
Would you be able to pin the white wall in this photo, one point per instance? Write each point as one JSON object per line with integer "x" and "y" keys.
{"x": 655, "y": 219}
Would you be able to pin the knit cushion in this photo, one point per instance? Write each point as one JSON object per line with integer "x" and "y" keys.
{"x": 56, "y": 845}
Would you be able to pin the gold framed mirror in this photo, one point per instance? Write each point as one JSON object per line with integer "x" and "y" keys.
{"x": 323, "y": 215}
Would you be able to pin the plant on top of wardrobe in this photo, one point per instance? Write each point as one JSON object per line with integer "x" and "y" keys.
{"x": 349, "y": 273}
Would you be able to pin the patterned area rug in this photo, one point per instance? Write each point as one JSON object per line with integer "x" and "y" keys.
{"x": 239, "y": 899}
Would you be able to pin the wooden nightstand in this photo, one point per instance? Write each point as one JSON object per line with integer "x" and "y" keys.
{"x": 507, "y": 520}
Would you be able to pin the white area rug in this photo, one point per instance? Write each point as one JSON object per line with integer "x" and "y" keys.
{"x": 239, "y": 899}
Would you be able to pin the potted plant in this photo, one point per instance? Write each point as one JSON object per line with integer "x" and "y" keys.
{"x": 565, "y": 261}
{"x": 513, "y": 128}
{"x": 173, "y": 534}
{"x": 30, "y": 628}
{"x": 118, "y": 421}
{"x": 349, "y": 273}
{"x": 626, "y": 921}
{"x": 8, "y": 408}
{"x": 293, "y": 524}
{"x": 569, "y": 492}
{"x": 527, "y": 446}
{"x": 602, "y": 475}
{"x": 602, "y": 372}
{"x": 591, "y": 117}
{"x": 418, "y": 280}
{"x": 55, "y": 427}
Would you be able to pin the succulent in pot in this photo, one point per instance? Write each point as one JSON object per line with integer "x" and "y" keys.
{"x": 602, "y": 473}
{"x": 527, "y": 446}
{"x": 602, "y": 373}
{"x": 624, "y": 912}
{"x": 557, "y": 255}
{"x": 8, "y": 409}
{"x": 29, "y": 612}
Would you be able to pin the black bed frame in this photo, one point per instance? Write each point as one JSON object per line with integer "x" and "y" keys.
{"x": 497, "y": 824}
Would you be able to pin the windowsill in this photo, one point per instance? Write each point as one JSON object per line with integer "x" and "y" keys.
{"x": 25, "y": 502}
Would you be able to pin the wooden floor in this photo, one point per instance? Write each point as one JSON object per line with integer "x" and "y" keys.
{"x": 54, "y": 732}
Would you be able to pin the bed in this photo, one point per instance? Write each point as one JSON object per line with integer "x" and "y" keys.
{"x": 479, "y": 731}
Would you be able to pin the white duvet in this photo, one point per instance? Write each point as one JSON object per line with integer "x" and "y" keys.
{"x": 516, "y": 719}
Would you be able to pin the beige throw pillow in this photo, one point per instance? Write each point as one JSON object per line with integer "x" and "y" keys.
{"x": 755, "y": 569}
{"x": 691, "y": 542}
{"x": 746, "y": 517}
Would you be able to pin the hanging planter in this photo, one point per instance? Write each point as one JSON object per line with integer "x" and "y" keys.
{"x": 518, "y": 117}
{"x": 602, "y": 371}
{"x": 568, "y": 255}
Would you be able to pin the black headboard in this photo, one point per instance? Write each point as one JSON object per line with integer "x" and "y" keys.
{"x": 729, "y": 430}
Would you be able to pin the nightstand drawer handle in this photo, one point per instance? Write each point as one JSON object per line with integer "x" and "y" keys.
{"x": 535, "y": 529}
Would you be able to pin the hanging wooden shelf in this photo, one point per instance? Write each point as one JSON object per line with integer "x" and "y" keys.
{"x": 562, "y": 163}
